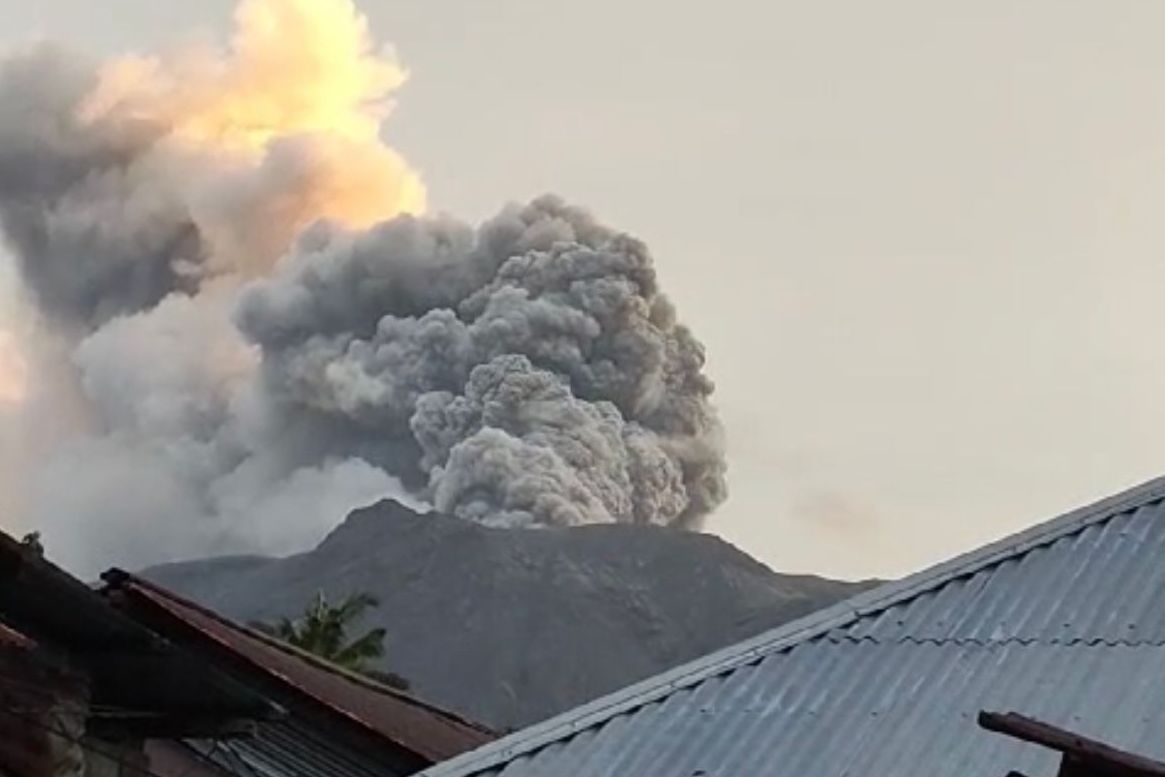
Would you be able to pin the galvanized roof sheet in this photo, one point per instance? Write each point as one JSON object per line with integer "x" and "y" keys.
{"x": 1064, "y": 622}
{"x": 288, "y": 748}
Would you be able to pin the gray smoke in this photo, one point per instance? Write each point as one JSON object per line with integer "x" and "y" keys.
{"x": 96, "y": 229}
{"x": 527, "y": 372}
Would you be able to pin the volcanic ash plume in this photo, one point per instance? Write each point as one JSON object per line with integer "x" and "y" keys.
{"x": 525, "y": 373}
{"x": 263, "y": 331}
{"x": 122, "y": 183}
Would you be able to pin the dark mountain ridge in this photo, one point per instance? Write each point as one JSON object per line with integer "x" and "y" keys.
{"x": 509, "y": 626}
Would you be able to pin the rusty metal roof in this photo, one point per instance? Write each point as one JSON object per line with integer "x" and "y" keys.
{"x": 399, "y": 718}
{"x": 1064, "y": 622}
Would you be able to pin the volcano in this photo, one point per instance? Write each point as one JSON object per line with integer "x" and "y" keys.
{"x": 507, "y": 625}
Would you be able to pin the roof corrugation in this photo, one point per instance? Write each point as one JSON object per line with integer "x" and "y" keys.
{"x": 290, "y": 747}
{"x": 276, "y": 748}
{"x": 791, "y": 716}
{"x": 1103, "y": 583}
{"x": 1064, "y": 622}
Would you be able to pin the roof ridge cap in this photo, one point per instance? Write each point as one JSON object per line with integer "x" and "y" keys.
{"x": 843, "y": 613}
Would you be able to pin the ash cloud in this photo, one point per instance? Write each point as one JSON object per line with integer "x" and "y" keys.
{"x": 260, "y": 332}
{"x": 527, "y": 373}
{"x": 95, "y": 233}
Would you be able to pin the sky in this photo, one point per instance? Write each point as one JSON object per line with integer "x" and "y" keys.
{"x": 921, "y": 242}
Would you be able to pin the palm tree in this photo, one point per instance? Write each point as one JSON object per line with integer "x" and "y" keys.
{"x": 33, "y": 543}
{"x": 323, "y": 631}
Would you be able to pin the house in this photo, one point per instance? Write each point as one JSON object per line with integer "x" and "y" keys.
{"x": 135, "y": 680}
{"x": 336, "y": 723}
{"x": 41, "y": 710}
{"x": 83, "y": 687}
{"x": 1063, "y": 624}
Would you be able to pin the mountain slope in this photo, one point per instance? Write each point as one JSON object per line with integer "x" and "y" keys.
{"x": 509, "y": 626}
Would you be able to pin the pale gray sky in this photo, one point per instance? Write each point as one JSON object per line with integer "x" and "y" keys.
{"x": 922, "y": 241}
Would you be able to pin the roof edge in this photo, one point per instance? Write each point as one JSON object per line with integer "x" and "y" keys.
{"x": 116, "y": 578}
{"x": 815, "y": 624}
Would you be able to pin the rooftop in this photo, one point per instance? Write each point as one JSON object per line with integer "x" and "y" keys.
{"x": 431, "y": 733}
{"x": 138, "y": 681}
{"x": 1064, "y": 622}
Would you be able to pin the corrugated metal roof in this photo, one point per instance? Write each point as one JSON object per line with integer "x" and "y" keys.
{"x": 285, "y": 748}
{"x": 410, "y": 723}
{"x": 1064, "y": 622}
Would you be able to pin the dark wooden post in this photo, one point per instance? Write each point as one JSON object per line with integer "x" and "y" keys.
{"x": 1082, "y": 757}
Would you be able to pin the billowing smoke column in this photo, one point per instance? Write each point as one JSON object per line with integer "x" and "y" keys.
{"x": 528, "y": 372}
{"x": 262, "y": 329}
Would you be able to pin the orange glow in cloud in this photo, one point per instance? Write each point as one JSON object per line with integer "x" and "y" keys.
{"x": 299, "y": 75}
{"x": 13, "y": 371}
{"x": 294, "y": 66}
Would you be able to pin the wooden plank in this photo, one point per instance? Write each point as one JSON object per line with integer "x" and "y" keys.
{"x": 1081, "y": 754}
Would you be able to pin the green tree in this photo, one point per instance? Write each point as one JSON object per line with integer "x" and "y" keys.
{"x": 323, "y": 631}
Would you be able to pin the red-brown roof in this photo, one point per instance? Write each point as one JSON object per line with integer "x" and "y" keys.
{"x": 404, "y": 720}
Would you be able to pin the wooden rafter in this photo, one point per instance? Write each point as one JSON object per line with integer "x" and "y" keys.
{"x": 1082, "y": 757}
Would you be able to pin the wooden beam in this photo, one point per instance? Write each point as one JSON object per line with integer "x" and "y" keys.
{"x": 1081, "y": 754}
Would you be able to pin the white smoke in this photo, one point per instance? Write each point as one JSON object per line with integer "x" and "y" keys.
{"x": 260, "y": 331}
